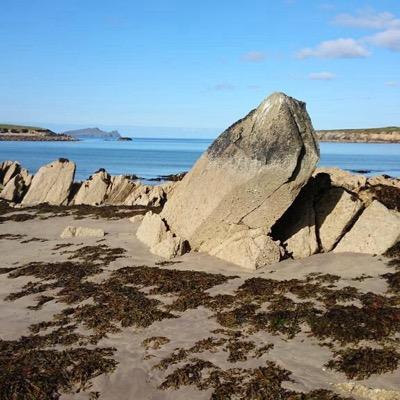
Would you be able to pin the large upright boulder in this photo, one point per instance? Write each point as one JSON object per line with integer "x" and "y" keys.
{"x": 247, "y": 178}
{"x": 51, "y": 184}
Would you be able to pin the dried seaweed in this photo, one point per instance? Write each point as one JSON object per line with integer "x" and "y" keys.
{"x": 363, "y": 362}
{"x": 39, "y": 374}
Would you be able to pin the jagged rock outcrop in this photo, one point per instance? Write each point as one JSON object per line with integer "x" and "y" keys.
{"x": 14, "y": 190}
{"x": 247, "y": 178}
{"x": 93, "y": 191}
{"x": 119, "y": 190}
{"x": 13, "y": 169}
{"x": 51, "y": 184}
{"x": 336, "y": 211}
{"x": 375, "y": 231}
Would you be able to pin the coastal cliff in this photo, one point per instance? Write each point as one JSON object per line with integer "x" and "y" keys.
{"x": 373, "y": 135}
{"x": 30, "y": 133}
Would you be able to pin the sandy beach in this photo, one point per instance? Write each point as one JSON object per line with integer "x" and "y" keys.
{"x": 139, "y": 371}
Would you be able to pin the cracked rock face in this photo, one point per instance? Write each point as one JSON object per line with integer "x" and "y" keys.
{"x": 247, "y": 178}
{"x": 51, "y": 184}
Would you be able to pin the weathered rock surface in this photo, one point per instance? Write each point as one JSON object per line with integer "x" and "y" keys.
{"x": 154, "y": 233}
{"x": 296, "y": 228}
{"x": 51, "y": 184}
{"x": 152, "y": 230}
{"x": 119, "y": 190}
{"x": 148, "y": 196}
{"x": 81, "y": 231}
{"x": 249, "y": 248}
{"x": 375, "y": 231}
{"x": 367, "y": 393}
{"x": 170, "y": 247}
{"x": 11, "y": 171}
{"x": 249, "y": 176}
{"x": 93, "y": 191}
{"x": 336, "y": 210}
{"x": 344, "y": 179}
{"x": 3, "y": 169}
{"x": 14, "y": 189}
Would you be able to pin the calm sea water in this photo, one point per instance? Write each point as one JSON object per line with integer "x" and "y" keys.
{"x": 149, "y": 158}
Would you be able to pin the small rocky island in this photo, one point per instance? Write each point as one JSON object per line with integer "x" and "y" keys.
{"x": 96, "y": 133}
{"x": 31, "y": 133}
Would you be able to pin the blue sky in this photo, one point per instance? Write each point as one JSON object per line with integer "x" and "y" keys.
{"x": 199, "y": 65}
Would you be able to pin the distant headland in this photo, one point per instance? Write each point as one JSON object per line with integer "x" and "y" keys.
{"x": 389, "y": 134}
{"x": 9, "y": 132}
{"x": 30, "y": 133}
{"x": 95, "y": 133}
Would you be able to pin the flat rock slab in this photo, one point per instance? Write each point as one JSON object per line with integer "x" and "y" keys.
{"x": 81, "y": 231}
{"x": 376, "y": 231}
{"x": 335, "y": 211}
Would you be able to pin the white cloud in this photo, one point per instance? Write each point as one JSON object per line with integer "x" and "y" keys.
{"x": 254, "y": 56}
{"x": 321, "y": 76}
{"x": 389, "y": 39}
{"x": 339, "y": 48}
{"x": 392, "y": 84}
{"x": 368, "y": 19}
{"x": 221, "y": 87}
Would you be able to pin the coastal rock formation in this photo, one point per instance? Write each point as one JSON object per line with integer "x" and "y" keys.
{"x": 344, "y": 179}
{"x": 119, "y": 190}
{"x": 81, "y": 231}
{"x": 93, "y": 191}
{"x": 3, "y": 169}
{"x": 154, "y": 233}
{"x": 145, "y": 195}
{"x": 51, "y": 184}
{"x": 247, "y": 178}
{"x": 336, "y": 210}
{"x": 14, "y": 190}
{"x": 377, "y": 230}
{"x": 296, "y": 229}
{"x": 13, "y": 169}
{"x": 249, "y": 248}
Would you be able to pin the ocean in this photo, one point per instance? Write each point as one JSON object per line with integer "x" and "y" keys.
{"x": 150, "y": 158}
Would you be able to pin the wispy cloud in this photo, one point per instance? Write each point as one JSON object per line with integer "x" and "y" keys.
{"x": 321, "y": 76}
{"x": 368, "y": 19}
{"x": 339, "y": 48}
{"x": 389, "y": 39}
{"x": 392, "y": 84}
{"x": 254, "y": 56}
{"x": 223, "y": 86}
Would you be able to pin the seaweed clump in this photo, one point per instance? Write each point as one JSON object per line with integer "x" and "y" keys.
{"x": 37, "y": 373}
{"x": 363, "y": 362}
